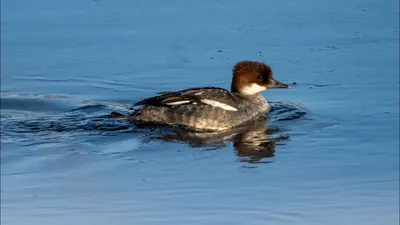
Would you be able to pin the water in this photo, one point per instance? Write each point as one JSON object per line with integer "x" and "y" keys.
{"x": 328, "y": 153}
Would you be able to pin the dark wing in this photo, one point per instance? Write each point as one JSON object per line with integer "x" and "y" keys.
{"x": 208, "y": 95}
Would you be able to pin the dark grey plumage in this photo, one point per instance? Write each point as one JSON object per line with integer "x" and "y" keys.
{"x": 193, "y": 112}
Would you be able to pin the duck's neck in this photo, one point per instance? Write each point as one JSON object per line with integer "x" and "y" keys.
{"x": 248, "y": 97}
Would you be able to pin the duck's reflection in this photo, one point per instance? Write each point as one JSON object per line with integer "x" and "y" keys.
{"x": 252, "y": 143}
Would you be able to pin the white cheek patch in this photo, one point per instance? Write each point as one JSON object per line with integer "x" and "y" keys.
{"x": 178, "y": 102}
{"x": 252, "y": 89}
{"x": 219, "y": 104}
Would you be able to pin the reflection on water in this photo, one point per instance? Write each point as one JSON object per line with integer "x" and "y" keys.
{"x": 252, "y": 142}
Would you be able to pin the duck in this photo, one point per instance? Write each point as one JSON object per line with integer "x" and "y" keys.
{"x": 210, "y": 109}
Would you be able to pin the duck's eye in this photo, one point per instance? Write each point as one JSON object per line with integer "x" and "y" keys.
{"x": 260, "y": 77}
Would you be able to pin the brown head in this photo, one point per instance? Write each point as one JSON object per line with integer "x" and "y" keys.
{"x": 250, "y": 78}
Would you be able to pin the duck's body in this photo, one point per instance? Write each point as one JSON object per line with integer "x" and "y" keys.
{"x": 210, "y": 108}
{"x": 202, "y": 108}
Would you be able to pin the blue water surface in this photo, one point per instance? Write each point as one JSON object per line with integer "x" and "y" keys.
{"x": 328, "y": 154}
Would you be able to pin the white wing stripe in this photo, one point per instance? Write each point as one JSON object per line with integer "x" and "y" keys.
{"x": 219, "y": 104}
{"x": 178, "y": 102}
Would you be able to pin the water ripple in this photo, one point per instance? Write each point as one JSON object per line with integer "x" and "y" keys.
{"x": 252, "y": 143}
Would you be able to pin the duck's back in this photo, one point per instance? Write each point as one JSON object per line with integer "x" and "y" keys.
{"x": 200, "y": 109}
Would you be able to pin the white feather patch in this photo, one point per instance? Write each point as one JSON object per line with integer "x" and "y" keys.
{"x": 219, "y": 104}
{"x": 252, "y": 89}
{"x": 178, "y": 102}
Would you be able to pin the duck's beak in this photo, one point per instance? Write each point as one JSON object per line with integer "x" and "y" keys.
{"x": 276, "y": 84}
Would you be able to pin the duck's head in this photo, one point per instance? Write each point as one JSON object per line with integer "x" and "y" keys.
{"x": 250, "y": 78}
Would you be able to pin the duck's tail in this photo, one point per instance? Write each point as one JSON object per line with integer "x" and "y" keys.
{"x": 120, "y": 116}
